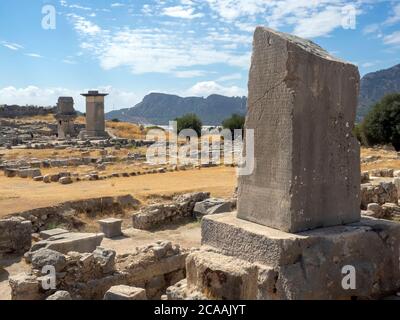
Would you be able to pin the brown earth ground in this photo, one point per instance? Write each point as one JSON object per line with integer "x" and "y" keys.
{"x": 17, "y": 194}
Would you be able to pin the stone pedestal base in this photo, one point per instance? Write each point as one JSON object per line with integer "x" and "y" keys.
{"x": 244, "y": 260}
{"x": 93, "y": 135}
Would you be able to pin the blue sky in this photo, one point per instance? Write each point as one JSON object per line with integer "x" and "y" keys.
{"x": 130, "y": 48}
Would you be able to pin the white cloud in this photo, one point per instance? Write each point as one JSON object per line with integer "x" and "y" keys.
{"x": 83, "y": 25}
{"x": 181, "y": 12}
{"x": 33, "y": 95}
{"x": 393, "y": 39}
{"x": 77, "y": 6}
{"x": 12, "y": 46}
{"x": 303, "y": 15}
{"x": 33, "y": 55}
{"x": 206, "y": 88}
{"x": 371, "y": 28}
{"x": 395, "y": 16}
{"x": 319, "y": 24}
{"x": 117, "y": 4}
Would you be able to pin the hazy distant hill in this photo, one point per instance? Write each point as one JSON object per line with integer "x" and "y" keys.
{"x": 159, "y": 108}
{"x": 375, "y": 85}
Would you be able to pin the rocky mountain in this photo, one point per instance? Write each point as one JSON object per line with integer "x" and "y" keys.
{"x": 159, "y": 108}
{"x": 375, "y": 85}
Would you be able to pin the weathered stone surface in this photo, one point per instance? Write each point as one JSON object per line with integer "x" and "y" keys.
{"x": 15, "y": 235}
{"x": 221, "y": 277}
{"x": 378, "y": 193}
{"x": 47, "y": 257}
{"x": 65, "y": 180}
{"x": 45, "y": 234}
{"x": 154, "y": 215}
{"x": 29, "y": 173}
{"x": 60, "y": 295}
{"x": 309, "y": 264}
{"x": 64, "y": 243}
{"x": 211, "y": 206}
{"x": 123, "y": 292}
{"x": 111, "y": 227}
{"x": 376, "y": 209}
{"x": 25, "y": 287}
{"x": 301, "y": 105}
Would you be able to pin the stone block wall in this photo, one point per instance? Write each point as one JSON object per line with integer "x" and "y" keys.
{"x": 15, "y": 235}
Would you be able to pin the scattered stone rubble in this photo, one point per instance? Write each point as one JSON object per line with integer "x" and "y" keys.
{"x": 90, "y": 275}
{"x": 378, "y": 193}
{"x": 154, "y": 215}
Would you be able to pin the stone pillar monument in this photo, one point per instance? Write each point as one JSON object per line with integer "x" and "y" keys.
{"x": 95, "y": 120}
{"x": 65, "y": 117}
{"x": 298, "y": 231}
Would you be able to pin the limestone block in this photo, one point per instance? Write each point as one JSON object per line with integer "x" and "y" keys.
{"x": 301, "y": 106}
{"x": 65, "y": 180}
{"x": 60, "y": 295}
{"x": 47, "y": 257}
{"x": 52, "y": 232}
{"x": 25, "y": 287}
{"x": 15, "y": 235}
{"x": 309, "y": 264}
{"x": 111, "y": 227}
{"x": 211, "y": 206}
{"x": 64, "y": 243}
{"x": 221, "y": 277}
{"x": 123, "y": 292}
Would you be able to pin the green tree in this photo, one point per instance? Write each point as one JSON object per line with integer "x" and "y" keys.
{"x": 189, "y": 121}
{"x": 382, "y": 123}
{"x": 235, "y": 121}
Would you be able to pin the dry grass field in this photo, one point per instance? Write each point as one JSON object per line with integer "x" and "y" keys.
{"x": 17, "y": 194}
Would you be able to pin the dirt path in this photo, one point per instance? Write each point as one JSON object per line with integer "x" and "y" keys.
{"x": 17, "y": 194}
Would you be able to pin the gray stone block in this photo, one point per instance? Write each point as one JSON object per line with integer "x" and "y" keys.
{"x": 301, "y": 106}
{"x": 123, "y": 292}
{"x": 111, "y": 227}
{"x": 52, "y": 232}
{"x": 67, "y": 242}
{"x": 309, "y": 264}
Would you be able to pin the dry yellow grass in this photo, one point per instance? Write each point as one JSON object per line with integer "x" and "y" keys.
{"x": 17, "y": 194}
{"x": 388, "y": 159}
{"x": 125, "y": 130}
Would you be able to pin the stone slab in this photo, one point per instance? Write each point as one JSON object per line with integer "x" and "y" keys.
{"x": 123, "y": 292}
{"x": 111, "y": 227}
{"x": 67, "y": 242}
{"x": 52, "y": 232}
{"x": 301, "y": 106}
{"x": 309, "y": 264}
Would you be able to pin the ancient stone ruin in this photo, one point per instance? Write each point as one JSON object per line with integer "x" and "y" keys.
{"x": 65, "y": 117}
{"x": 95, "y": 119}
{"x": 298, "y": 224}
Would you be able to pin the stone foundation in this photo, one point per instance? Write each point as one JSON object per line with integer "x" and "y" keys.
{"x": 90, "y": 275}
{"x": 306, "y": 265}
{"x": 15, "y": 235}
{"x": 157, "y": 214}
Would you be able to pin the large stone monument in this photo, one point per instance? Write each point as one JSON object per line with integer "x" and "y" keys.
{"x": 298, "y": 233}
{"x": 65, "y": 117}
{"x": 95, "y": 120}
